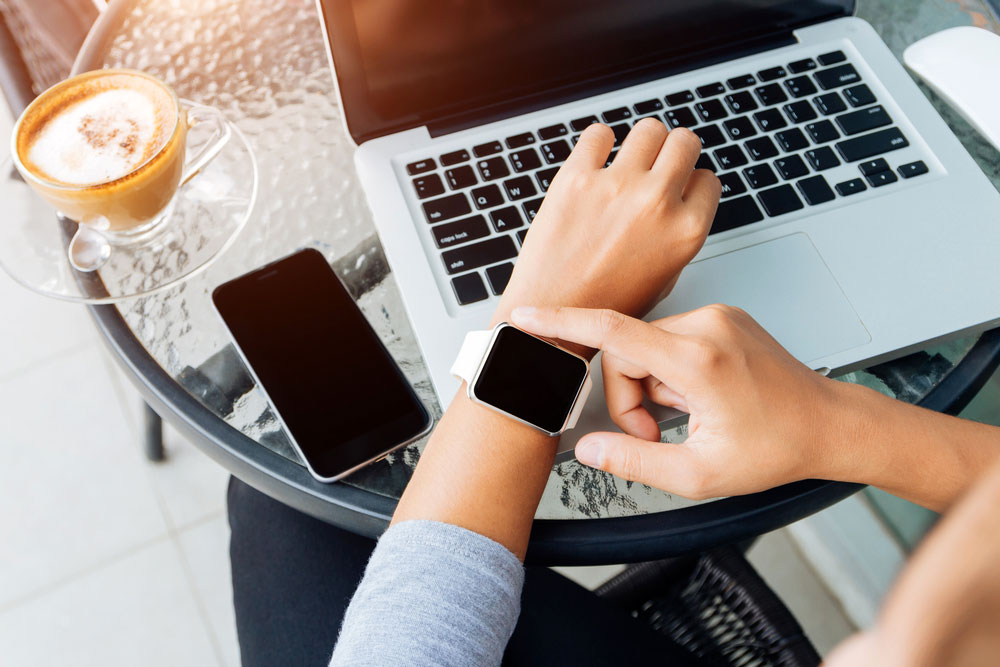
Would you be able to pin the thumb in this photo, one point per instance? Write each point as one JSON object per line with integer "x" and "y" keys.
{"x": 666, "y": 466}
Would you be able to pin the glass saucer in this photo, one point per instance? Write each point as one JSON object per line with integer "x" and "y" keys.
{"x": 207, "y": 214}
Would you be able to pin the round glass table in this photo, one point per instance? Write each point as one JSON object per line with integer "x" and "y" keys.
{"x": 264, "y": 63}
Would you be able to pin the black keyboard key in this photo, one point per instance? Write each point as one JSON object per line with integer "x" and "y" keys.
{"x": 556, "y": 152}
{"x": 815, "y": 190}
{"x": 822, "y": 158}
{"x": 851, "y": 187}
{"x": 683, "y": 97}
{"x": 731, "y": 184}
{"x": 710, "y": 136}
{"x": 552, "y": 132}
{"x": 739, "y": 128}
{"x": 428, "y": 186}
{"x": 791, "y": 167}
{"x": 682, "y": 117}
{"x": 521, "y": 233}
{"x": 830, "y": 103}
{"x": 792, "y": 139}
{"x": 800, "y": 112}
{"x": 545, "y": 176}
{"x": 446, "y": 208}
{"x": 506, "y": 219}
{"x": 648, "y": 107}
{"x": 489, "y": 148}
{"x": 493, "y": 168}
{"x": 525, "y": 159}
{"x": 800, "y": 86}
{"x": 822, "y": 131}
{"x": 420, "y": 166}
{"x": 759, "y": 176}
{"x": 744, "y": 81}
{"x": 611, "y": 158}
{"x": 499, "y": 276}
{"x": 733, "y": 213}
{"x": 869, "y": 167}
{"x": 520, "y": 188}
{"x": 859, "y": 96}
{"x": 487, "y": 196}
{"x": 831, "y": 58}
{"x": 520, "y": 140}
{"x": 460, "y": 231}
{"x": 469, "y": 289}
{"x": 710, "y": 110}
{"x": 455, "y": 157}
{"x": 616, "y": 115}
{"x": 835, "y": 77}
{"x": 803, "y": 65}
{"x": 581, "y": 124}
{"x": 761, "y": 148}
{"x": 863, "y": 120}
{"x": 779, "y": 200}
{"x": 771, "y": 73}
{"x": 704, "y": 162}
{"x": 911, "y": 169}
{"x": 621, "y": 131}
{"x": 575, "y": 138}
{"x": 460, "y": 177}
{"x": 710, "y": 90}
{"x": 741, "y": 102}
{"x": 875, "y": 143}
{"x": 771, "y": 94}
{"x": 531, "y": 208}
{"x": 770, "y": 119}
{"x": 474, "y": 255}
{"x": 730, "y": 157}
{"x": 882, "y": 178}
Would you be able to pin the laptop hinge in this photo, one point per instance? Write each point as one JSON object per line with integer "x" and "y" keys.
{"x": 616, "y": 81}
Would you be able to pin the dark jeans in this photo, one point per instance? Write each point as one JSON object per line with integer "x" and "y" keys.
{"x": 293, "y": 577}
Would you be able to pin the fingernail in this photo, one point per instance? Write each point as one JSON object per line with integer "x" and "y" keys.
{"x": 590, "y": 451}
{"x": 523, "y": 313}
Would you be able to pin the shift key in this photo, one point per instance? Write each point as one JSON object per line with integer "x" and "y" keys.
{"x": 475, "y": 255}
{"x": 870, "y": 145}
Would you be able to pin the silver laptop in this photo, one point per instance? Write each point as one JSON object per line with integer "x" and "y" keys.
{"x": 853, "y": 224}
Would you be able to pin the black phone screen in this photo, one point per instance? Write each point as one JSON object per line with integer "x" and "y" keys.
{"x": 336, "y": 388}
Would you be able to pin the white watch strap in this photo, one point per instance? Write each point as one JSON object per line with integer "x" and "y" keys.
{"x": 471, "y": 355}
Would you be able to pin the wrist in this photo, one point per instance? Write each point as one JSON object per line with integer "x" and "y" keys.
{"x": 854, "y": 425}
{"x": 507, "y": 305}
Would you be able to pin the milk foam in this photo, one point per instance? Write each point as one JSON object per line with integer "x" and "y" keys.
{"x": 101, "y": 138}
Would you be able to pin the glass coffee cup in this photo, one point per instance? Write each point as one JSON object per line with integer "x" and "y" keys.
{"x": 108, "y": 149}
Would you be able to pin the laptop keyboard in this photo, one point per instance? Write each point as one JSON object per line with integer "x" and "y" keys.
{"x": 769, "y": 136}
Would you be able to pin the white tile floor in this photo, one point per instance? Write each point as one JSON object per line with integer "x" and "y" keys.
{"x": 108, "y": 560}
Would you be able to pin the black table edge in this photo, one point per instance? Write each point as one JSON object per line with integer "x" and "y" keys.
{"x": 564, "y": 542}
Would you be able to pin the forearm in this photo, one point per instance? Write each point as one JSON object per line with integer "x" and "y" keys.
{"x": 923, "y": 456}
{"x": 481, "y": 471}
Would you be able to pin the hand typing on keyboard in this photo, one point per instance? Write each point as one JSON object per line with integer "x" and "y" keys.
{"x": 616, "y": 237}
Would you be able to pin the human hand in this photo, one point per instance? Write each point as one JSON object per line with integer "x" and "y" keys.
{"x": 616, "y": 237}
{"x": 758, "y": 417}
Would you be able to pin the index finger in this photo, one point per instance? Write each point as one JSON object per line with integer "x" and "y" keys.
{"x": 640, "y": 344}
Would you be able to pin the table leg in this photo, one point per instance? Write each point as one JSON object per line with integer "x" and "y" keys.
{"x": 154, "y": 435}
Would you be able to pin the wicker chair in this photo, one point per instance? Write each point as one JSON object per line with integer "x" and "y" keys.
{"x": 717, "y": 607}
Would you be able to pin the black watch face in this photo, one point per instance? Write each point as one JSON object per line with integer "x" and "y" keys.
{"x": 530, "y": 379}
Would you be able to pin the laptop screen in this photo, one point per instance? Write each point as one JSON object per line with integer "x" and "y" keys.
{"x": 406, "y": 63}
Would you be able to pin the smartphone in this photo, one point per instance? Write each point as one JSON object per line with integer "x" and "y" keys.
{"x": 335, "y": 388}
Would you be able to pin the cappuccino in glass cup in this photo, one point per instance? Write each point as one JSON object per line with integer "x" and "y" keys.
{"x": 108, "y": 149}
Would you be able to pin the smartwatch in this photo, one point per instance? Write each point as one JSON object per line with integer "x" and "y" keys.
{"x": 524, "y": 377}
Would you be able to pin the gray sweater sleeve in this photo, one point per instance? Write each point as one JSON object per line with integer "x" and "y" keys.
{"x": 432, "y": 594}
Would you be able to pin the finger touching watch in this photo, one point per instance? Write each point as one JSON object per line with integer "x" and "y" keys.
{"x": 524, "y": 377}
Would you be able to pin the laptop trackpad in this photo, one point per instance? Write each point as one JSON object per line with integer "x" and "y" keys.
{"x": 785, "y": 285}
